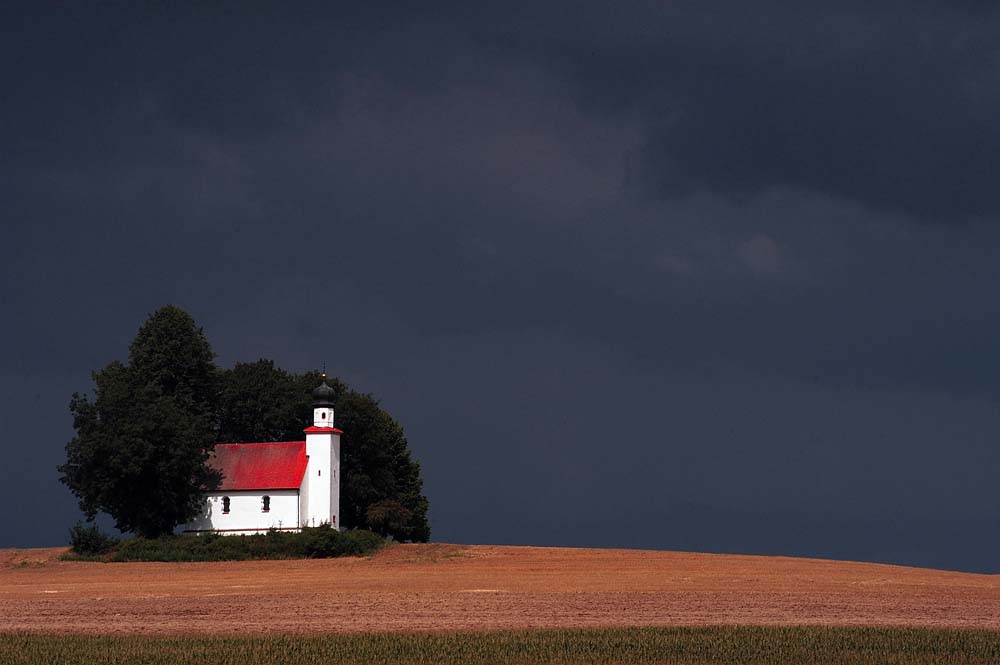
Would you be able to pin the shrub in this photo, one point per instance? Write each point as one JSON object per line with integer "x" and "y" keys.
{"x": 389, "y": 518}
{"x": 324, "y": 541}
{"x": 88, "y": 540}
{"x": 312, "y": 542}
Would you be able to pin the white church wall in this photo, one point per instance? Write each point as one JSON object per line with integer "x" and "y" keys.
{"x": 323, "y": 416}
{"x": 319, "y": 448}
{"x": 321, "y": 485}
{"x": 335, "y": 480}
{"x": 246, "y": 513}
{"x": 304, "y": 499}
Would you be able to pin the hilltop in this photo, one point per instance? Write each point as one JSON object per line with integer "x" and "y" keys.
{"x": 479, "y": 587}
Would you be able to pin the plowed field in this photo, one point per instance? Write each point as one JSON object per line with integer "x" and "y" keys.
{"x": 448, "y": 587}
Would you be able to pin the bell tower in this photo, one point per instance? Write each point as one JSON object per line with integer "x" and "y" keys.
{"x": 323, "y": 405}
{"x": 320, "y": 497}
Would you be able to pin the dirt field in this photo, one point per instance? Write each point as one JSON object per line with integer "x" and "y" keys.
{"x": 443, "y": 587}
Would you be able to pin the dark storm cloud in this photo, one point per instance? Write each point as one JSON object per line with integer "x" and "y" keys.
{"x": 722, "y": 276}
{"x": 893, "y": 109}
{"x": 888, "y": 108}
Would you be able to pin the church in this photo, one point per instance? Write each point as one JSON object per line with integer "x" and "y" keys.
{"x": 284, "y": 485}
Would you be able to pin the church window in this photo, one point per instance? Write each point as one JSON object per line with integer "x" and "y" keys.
{"x": 319, "y": 472}
{"x": 225, "y": 504}
{"x": 323, "y": 415}
{"x": 266, "y": 501}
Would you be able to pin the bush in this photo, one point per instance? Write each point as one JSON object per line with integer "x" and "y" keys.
{"x": 311, "y": 542}
{"x": 87, "y": 540}
{"x": 323, "y": 541}
{"x": 390, "y": 518}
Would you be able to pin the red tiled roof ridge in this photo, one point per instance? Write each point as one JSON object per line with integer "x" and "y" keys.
{"x": 258, "y": 466}
{"x": 259, "y": 443}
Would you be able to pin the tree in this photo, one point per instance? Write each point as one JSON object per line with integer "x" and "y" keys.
{"x": 142, "y": 444}
{"x": 377, "y": 466}
{"x": 388, "y": 517}
{"x": 260, "y": 402}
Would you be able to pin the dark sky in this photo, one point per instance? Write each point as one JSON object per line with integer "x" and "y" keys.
{"x": 703, "y": 276}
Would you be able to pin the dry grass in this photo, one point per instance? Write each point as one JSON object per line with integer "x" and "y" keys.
{"x": 451, "y": 587}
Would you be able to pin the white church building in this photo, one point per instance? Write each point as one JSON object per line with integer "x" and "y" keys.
{"x": 285, "y": 485}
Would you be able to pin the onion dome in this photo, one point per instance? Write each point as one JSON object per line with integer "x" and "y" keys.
{"x": 323, "y": 395}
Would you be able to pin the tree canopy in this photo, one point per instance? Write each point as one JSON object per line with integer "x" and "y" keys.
{"x": 143, "y": 442}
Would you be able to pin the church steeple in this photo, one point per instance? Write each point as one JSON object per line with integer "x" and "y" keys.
{"x": 323, "y": 405}
{"x": 321, "y": 491}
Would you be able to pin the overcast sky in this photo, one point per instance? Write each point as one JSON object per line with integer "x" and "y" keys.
{"x": 715, "y": 276}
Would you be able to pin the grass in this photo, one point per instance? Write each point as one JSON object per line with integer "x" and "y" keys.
{"x": 28, "y": 563}
{"x": 309, "y": 543}
{"x": 677, "y": 646}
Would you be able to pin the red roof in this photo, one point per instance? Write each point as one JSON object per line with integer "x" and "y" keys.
{"x": 260, "y": 466}
{"x": 316, "y": 430}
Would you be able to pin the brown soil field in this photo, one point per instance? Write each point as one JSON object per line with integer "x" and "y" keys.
{"x": 448, "y": 587}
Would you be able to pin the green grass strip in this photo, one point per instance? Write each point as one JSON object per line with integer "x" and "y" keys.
{"x": 677, "y": 646}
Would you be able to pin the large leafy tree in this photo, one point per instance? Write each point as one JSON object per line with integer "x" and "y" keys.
{"x": 142, "y": 442}
{"x": 260, "y": 402}
{"x": 378, "y": 469}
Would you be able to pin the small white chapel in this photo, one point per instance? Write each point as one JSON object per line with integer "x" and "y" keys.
{"x": 285, "y": 485}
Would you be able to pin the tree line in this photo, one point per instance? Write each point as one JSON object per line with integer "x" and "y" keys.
{"x": 144, "y": 438}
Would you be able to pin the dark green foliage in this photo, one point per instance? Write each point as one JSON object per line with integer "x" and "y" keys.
{"x": 725, "y": 645}
{"x": 141, "y": 445}
{"x": 311, "y": 543}
{"x": 377, "y": 466}
{"x": 171, "y": 356}
{"x": 87, "y": 539}
{"x": 259, "y": 402}
{"x": 388, "y": 517}
{"x": 324, "y": 542}
{"x": 375, "y": 458}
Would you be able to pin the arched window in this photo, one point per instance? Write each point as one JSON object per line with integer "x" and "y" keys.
{"x": 225, "y": 505}
{"x": 266, "y": 503}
